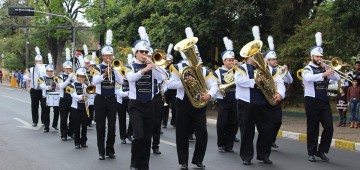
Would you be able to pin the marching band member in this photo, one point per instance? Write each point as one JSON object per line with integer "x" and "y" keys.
{"x": 105, "y": 100}
{"x": 91, "y": 97}
{"x": 141, "y": 75}
{"x": 271, "y": 60}
{"x": 78, "y": 106}
{"x": 35, "y": 91}
{"x": 48, "y": 84}
{"x": 170, "y": 94}
{"x": 226, "y": 124}
{"x": 188, "y": 116}
{"x": 66, "y": 99}
{"x": 254, "y": 109}
{"x": 315, "y": 78}
{"x": 122, "y": 96}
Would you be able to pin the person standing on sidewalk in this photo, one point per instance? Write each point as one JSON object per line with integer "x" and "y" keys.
{"x": 1, "y": 76}
{"x": 341, "y": 107}
{"x": 316, "y": 77}
{"x": 353, "y": 96}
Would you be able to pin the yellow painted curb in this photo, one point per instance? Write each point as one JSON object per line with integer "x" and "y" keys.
{"x": 302, "y": 137}
{"x": 343, "y": 144}
{"x": 279, "y": 133}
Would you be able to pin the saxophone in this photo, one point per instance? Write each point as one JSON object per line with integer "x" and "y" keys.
{"x": 267, "y": 85}
{"x": 196, "y": 87}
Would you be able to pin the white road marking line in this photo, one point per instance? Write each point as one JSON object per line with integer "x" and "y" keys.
{"x": 17, "y": 99}
{"x": 26, "y": 124}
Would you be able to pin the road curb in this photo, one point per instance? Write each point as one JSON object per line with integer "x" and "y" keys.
{"x": 336, "y": 143}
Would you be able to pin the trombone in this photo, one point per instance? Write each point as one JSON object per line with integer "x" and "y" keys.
{"x": 158, "y": 59}
{"x": 336, "y": 64}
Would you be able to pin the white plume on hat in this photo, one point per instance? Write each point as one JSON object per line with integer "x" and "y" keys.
{"x": 86, "y": 52}
{"x": 318, "y": 38}
{"x": 37, "y": 50}
{"x": 170, "y": 47}
{"x": 189, "y": 33}
{"x": 130, "y": 59}
{"x": 50, "y": 58}
{"x": 228, "y": 44}
{"x": 93, "y": 56}
{"x": 67, "y": 53}
{"x": 143, "y": 34}
{"x": 109, "y": 36}
{"x": 256, "y": 32}
{"x": 81, "y": 61}
{"x": 271, "y": 43}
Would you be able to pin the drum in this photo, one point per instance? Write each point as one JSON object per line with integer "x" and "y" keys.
{"x": 52, "y": 99}
{"x": 91, "y": 98}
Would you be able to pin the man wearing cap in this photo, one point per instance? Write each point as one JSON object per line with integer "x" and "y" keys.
{"x": 316, "y": 76}
{"x": 272, "y": 63}
{"x": 35, "y": 91}
{"x": 66, "y": 127}
{"x": 47, "y": 84}
{"x": 105, "y": 100}
{"x": 141, "y": 76}
{"x": 226, "y": 124}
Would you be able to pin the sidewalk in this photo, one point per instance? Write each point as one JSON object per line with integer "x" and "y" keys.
{"x": 295, "y": 128}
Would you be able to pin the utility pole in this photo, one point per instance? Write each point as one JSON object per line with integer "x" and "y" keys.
{"x": 102, "y": 25}
{"x": 27, "y": 39}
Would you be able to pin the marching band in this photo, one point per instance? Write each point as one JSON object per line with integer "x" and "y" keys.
{"x": 248, "y": 94}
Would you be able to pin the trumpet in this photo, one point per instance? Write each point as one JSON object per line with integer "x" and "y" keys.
{"x": 91, "y": 88}
{"x": 85, "y": 100}
{"x": 336, "y": 64}
{"x": 109, "y": 73}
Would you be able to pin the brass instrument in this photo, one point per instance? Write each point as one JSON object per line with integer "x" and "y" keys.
{"x": 299, "y": 74}
{"x": 267, "y": 84}
{"x": 94, "y": 71}
{"x": 69, "y": 90}
{"x": 91, "y": 88}
{"x": 57, "y": 79}
{"x": 336, "y": 64}
{"x": 159, "y": 58}
{"x": 116, "y": 64}
{"x": 229, "y": 78}
{"x": 282, "y": 72}
{"x": 196, "y": 87}
{"x": 162, "y": 93}
{"x": 85, "y": 100}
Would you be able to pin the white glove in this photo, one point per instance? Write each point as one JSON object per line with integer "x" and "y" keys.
{"x": 70, "y": 76}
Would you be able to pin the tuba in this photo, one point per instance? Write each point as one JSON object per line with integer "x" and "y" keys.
{"x": 267, "y": 85}
{"x": 196, "y": 87}
{"x": 229, "y": 77}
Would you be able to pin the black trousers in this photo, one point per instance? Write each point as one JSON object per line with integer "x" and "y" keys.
{"x": 170, "y": 98}
{"x": 45, "y": 111}
{"x": 36, "y": 96}
{"x": 142, "y": 121}
{"x": 91, "y": 112}
{"x": 80, "y": 121}
{"x": 226, "y": 125}
{"x": 277, "y": 121}
{"x": 188, "y": 117}
{"x": 105, "y": 109}
{"x": 65, "y": 127}
{"x": 158, "y": 110}
{"x": 318, "y": 111}
{"x": 250, "y": 115}
{"x": 122, "y": 109}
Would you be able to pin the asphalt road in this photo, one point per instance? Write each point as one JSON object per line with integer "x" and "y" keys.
{"x": 24, "y": 147}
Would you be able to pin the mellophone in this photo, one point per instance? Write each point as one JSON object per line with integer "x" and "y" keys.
{"x": 52, "y": 99}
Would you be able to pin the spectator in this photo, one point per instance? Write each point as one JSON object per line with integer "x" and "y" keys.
{"x": 1, "y": 76}
{"x": 19, "y": 78}
{"x": 341, "y": 107}
{"x": 353, "y": 96}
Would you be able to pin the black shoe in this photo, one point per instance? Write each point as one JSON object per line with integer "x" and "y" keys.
{"x": 77, "y": 146}
{"x": 184, "y": 166}
{"x": 311, "y": 158}
{"x": 55, "y": 127}
{"x": 247, "y": 162}
{"x": 123, "y": 141}
{"x": 266, "y": 160}
{"x": 156, "y": 151}
{"x": 72, "y": 136}
{"x": 90, "y": 125}
{"x": 64, "y": 138}
{"x": 229, "y": 150}
{"x": 129, "y": 138}
{"x": 111, "y": 156}
{"x": 46, "y": 130}
{"x": 164, "y": 126}
{"x": 200, "y": 165}
{"x": 322, "y": 156}
{"x": 236, "y": 139}
{"x": 273, "y": 145}
{"x": 221, "y": 149}
{"x": 101, "y": 157}
{"x": 84, "y": 145}
{"x": 34, "y": 124}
